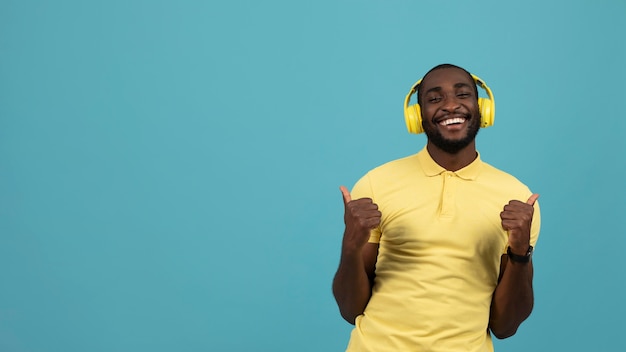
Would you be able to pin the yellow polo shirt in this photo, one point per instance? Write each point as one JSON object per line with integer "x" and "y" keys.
{"x": 440, "y": 243}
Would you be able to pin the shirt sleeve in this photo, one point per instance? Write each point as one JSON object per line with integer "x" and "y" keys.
{"x": 363, "y": 189}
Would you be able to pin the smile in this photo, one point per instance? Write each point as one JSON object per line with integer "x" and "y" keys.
{"x": 452, "y": 121}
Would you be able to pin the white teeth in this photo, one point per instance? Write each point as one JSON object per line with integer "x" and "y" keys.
{"x": 451, "y": 121}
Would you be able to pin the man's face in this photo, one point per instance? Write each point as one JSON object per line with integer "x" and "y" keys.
{"x": 450, "y": 114}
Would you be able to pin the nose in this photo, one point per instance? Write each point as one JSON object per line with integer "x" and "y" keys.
{"x": 450, "y": 104}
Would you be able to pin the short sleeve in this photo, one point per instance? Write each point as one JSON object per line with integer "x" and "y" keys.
{"x": 363, "y": 189}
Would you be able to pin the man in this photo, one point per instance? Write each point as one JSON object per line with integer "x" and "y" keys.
{"x": 436, "y": 249}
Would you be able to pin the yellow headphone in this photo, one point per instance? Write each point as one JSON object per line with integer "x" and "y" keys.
{"x": 413, "y": 115}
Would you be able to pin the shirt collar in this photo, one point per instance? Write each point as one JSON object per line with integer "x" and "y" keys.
{"x": 431, "y": 168}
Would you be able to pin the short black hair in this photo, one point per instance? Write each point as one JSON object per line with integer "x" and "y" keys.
{"x": 439, "y": 67}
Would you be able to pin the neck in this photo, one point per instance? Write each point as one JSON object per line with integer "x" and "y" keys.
{"x": 453, "y": 162}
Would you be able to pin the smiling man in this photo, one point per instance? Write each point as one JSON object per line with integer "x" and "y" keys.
{"x": 436, "y": 252}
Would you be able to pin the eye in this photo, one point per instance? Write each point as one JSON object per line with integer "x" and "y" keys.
{"x": 463, "y": 95}
{"x": 433, "y": 99}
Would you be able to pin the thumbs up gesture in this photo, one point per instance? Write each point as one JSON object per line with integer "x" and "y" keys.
{"x": 516, "y": 218}
{"x": 360, "y": 216}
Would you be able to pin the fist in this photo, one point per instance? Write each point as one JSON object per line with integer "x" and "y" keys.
{"x": 516, "y": 218}
{"x": 360, "y": 216}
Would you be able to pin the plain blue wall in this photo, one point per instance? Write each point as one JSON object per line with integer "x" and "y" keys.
{"x": 169, "y": 170}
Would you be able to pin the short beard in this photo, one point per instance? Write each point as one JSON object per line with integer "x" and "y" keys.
{"x": 452, "y": 146}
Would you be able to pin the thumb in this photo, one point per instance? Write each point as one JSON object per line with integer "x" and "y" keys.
{"x": 532, "y": 199}
{"x": 346, "y": 195}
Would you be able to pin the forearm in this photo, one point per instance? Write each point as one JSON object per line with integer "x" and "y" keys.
{"x": 512, "y": 300}
{"x": 351, "y": 285}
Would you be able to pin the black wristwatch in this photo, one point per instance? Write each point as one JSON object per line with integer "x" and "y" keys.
{"x": 520, "y": 258}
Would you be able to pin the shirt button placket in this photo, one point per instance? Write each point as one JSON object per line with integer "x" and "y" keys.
{"x": 447, "y": 201}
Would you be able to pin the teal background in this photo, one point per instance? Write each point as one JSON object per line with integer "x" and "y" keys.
{"x": 169, "y": 170}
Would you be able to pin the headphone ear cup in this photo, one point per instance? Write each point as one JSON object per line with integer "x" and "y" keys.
{"x": 413, "y": 119}
{"x": 487, "y": 112}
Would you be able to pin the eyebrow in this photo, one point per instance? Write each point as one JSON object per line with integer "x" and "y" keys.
{"x": 457, "y": 85}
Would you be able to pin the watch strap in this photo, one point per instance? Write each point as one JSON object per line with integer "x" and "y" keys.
{"x": 520, "y": 258}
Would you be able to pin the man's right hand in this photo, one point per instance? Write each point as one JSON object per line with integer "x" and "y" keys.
{"x": 361, "y": 216}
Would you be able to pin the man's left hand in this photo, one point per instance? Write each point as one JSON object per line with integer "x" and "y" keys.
{"x": 516, "y": 219}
